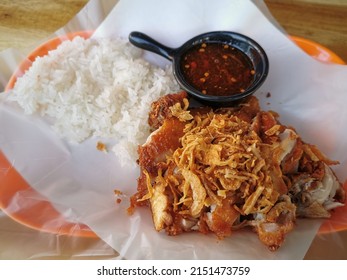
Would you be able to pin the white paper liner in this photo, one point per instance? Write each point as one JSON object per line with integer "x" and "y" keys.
{"x": 79, "y": 180}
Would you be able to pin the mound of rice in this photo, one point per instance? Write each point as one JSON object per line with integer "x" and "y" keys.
{"x": 95, "y": 87}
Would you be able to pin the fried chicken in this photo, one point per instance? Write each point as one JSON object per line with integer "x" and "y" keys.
{"x": 219, "y": 170}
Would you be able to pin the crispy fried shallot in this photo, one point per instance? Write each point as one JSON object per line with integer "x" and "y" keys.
{"x": 218, "y": 170}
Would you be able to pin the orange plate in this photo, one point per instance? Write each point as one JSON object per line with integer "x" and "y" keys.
{"x": 39, "y": 213}
{"x": 317, "y": 51}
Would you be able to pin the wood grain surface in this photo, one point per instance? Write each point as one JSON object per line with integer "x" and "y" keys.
{"x": 322, "y": 21}
{"x": 24, "y": 22}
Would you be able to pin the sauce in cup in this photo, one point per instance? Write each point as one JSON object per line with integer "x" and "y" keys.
{"x": 217, "y": 69}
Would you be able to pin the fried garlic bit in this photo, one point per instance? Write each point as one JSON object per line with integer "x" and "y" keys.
{"x": 224, "y": 153}
{"x": 101, "y": 147}
{"x": 181, "y": 113}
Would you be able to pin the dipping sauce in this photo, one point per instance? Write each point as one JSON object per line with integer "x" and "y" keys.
{"x": 217, "y": 69}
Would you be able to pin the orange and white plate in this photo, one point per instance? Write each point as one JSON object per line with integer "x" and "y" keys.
{"x": 41, "y": 215}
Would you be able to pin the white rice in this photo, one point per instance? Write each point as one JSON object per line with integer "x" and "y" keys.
{"x": 95, "y": 87}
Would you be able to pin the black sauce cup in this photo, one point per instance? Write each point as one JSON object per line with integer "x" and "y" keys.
{"x": 246, "y": 45}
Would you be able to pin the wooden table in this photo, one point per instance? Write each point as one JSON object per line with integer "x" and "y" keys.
{"x": 323, "y": 21}
{"x": 24, "y": 22}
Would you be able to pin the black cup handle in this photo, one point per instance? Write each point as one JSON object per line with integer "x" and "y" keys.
{"x": 147, "y": 43}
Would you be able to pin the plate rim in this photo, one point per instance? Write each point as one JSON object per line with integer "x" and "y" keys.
{"x": 61, "y": 225}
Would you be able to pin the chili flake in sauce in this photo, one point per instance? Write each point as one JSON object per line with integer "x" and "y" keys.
{"x": 217, "y": 69}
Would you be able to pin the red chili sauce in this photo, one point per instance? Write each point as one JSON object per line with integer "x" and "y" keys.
{"x": 217, "y": 69}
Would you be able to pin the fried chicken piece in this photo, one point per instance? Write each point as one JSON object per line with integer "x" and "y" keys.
{"x": 315, "y": 194}
{"x": 218, "y": 170}
{"x": 273, "y": 226}
{"x": 221, "y": 218}
{"x": 160, "y": 109}
{"x": 152, "y": 155}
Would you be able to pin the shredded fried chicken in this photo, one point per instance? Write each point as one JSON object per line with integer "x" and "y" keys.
{"x": 218, "y": 170}
{"x": 162, "y": 108}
